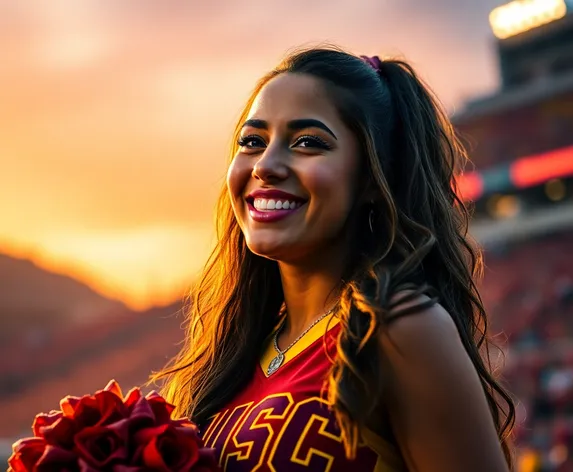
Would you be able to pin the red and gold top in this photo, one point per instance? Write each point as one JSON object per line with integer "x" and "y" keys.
{"x": 282, "y": 422}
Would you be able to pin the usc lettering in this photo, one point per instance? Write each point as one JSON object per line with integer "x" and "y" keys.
{"x": 252, "y": 438}
{"x": 278, "y": 434}
{"x": 227, "y": 422}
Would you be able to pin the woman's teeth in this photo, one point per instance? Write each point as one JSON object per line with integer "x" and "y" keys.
{"x": 267, "y": 204}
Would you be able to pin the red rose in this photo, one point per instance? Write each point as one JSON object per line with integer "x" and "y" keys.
{"x": 107, "y": 431}
{"x": 95, "y": 410}
{"x": 105, "y": 407}
{"x": 26, "y": 454}
{"x": 167, "y": 448}
{"x": 101, "y": 446}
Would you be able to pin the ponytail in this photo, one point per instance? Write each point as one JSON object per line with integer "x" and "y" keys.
{"x": 428, "y": 252}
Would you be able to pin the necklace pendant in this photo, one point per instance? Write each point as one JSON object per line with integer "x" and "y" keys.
{"x": 275, "y": 363}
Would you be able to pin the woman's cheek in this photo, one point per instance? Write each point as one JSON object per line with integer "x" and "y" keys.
{"x": 237, "y": 176}
{"x": 328, "y": 184}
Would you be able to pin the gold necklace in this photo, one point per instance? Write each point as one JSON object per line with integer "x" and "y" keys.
{"x": 280, "y": 357}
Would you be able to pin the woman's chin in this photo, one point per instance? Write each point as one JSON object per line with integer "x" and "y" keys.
{"x": 272, "y": 249}
{"x": 269, "y": 250}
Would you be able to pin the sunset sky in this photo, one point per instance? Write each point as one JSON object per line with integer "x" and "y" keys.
{"x": 116, "y": 115}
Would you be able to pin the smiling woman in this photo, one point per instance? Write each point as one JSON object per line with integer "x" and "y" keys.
{"x": 337, "y": 323}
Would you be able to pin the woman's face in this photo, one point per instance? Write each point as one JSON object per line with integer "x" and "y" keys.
{"x": 293, "y": 180}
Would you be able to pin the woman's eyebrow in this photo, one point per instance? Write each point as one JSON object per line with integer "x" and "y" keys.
{"x": 295, "y": 125}
{"x": 304, "y": 123}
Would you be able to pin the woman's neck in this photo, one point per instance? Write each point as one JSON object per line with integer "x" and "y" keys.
{"x": 309, "y": 293}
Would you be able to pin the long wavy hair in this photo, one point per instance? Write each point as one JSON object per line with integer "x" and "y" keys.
{"x": 419, "y": 245}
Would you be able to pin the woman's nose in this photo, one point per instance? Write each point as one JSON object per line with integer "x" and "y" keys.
{"x": 271, "y": 165}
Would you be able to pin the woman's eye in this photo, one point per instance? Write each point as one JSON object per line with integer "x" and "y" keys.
{"x": 312, "y": 142}
{"x": 251, "y": 142}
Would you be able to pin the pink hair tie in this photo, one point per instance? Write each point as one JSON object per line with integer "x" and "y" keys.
{"x": 373, "y": 62}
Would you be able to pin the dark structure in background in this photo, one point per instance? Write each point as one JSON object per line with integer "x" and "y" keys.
{"x": 521, "y": 142}
{"x": 521, "y": 138}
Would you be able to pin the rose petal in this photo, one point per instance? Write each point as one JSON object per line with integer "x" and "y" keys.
{"x": 153, "y": 394}
{"x": 45, "y": 419}
{"x": 161, "y": 409}
{"x": 183, "y": 422}
{"x": 100, "y": 446}
{"x": 132, "y": 396}
{"x": 190, "y": 432}
{"x": 207, "y": 459}
{"x": 141, "y": 417}
{"x": 123, "y": 428}
{"x": 152, "y": 456}
{"x": 87, "y": 412}
{"x": 26, "y": 454}
{"x": 60, "y": 434}
{"x": 68, "y": 405}
{"x": 141, "y": 413}
{"x": 15, "y": 464}
{"x": 114, "y": 387}
{"x": 55, "y": 458}
{"x": 85, "y": 467}
{"x": 190, "y": 428}
{"x": 25, "y": 443}
{"x": 111, "y": 408}
{"x": 145, "y": 435}
{"x": 128, "y": 468}
{"x": 166, "y": 448}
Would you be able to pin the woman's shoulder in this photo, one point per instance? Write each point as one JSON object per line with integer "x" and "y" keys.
{"x": 418, "y": 321}
{"x": 422, "y": 337}
{"x": 435, "y": 398}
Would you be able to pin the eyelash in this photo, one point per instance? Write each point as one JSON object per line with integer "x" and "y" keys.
{"x": 247, "y": 139}
{"x": 317, "y": 142}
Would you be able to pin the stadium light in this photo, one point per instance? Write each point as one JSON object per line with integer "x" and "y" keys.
{"x": 522, "y": 15}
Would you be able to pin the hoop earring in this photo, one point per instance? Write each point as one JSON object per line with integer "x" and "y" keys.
{"x": 370, "y": 218}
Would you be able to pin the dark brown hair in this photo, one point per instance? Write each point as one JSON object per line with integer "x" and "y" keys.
{"x": 419, "y": 244}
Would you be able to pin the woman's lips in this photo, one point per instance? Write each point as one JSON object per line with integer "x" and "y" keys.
{"x": 270, "y": 215}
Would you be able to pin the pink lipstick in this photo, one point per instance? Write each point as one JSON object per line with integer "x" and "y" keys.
{"x": 268, "y": 206}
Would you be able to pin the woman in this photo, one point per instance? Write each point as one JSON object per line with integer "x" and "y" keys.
{"x": 337, "y": 323}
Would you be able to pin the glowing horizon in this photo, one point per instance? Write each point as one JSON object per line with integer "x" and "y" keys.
{"x": 88, "y": 258}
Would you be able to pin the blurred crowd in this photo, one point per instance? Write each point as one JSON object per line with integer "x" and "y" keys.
{"x": 528, "y": 291}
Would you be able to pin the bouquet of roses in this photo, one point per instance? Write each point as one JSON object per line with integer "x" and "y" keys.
{"x": 109, "y": 432}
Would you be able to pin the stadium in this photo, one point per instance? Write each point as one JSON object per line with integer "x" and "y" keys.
{"x": 521, "y": 142}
